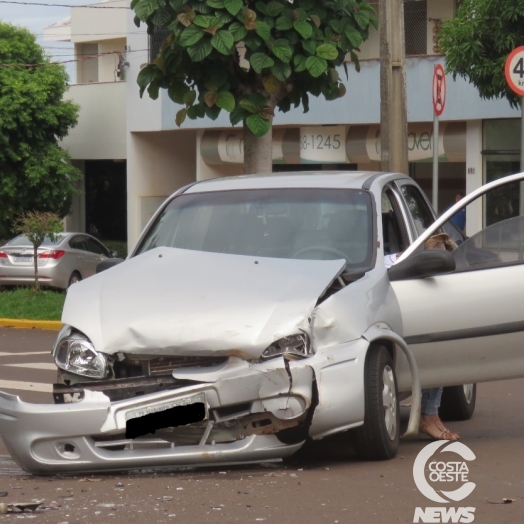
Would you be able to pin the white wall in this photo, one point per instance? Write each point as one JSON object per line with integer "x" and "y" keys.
{"x": 95, "y": 25}
{"x": 101, "y": 130}
{"x": 158, "y": 165}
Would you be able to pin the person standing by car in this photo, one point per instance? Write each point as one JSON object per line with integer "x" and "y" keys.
{"x": 430, "y": 422}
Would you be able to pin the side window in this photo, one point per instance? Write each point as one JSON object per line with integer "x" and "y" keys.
{"x": 418, "y": 208}
{"x": 500, "y": 244}
{"x": 393, "y": 229}
{"x": 94, "y": 247}
{"x": 78, "y": 243}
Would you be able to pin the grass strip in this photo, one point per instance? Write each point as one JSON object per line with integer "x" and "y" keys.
{"x": 24, "y": 303}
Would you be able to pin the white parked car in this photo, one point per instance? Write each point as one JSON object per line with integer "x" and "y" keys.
{"x": 256, "y": 312}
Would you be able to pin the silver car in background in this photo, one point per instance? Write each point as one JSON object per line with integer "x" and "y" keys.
{"x": 70, "y": 258}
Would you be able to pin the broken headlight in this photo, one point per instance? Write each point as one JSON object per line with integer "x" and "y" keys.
{"x": 75, "y": 353}
{"x": 294, "y": 346}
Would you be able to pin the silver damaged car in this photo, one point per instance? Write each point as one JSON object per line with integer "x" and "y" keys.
{"x": 256, "y": 312}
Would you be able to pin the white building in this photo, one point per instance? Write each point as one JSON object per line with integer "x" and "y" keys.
{"x": 479, "y": 140}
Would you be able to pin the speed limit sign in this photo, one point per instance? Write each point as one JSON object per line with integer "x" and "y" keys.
{"x": 514, "y": 70}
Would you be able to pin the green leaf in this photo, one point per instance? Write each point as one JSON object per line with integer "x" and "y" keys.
{"x": 300, "y": 63}
{"x": 353, "y": 35}
{"x": 223, "y": 41}
{"x": 258, "y": 125}
{"x": 263, "y": 30}
{"x": 362, "y": 18}
{"x": 202, "y": 20}
{"x": 355, "y": 60}
{"x": 238, "y": 31}
{"x": 259, "y": 60}
{"x": 213, "y": 112}
{"x": 337, "y": 26}
{"x": 145, "y": 8}
{"x": 223, "y": 17}
{"x": 281, "y": 49}
{"x": 199, "y": 51}
{"x": 316, "y": 66}
{"x": 261, "y": 6}
{"x": 316, "y": 20}
{"x": 177, "y": 91}
{"x": 327, "y": 51}
{"x": 233, "y": 6}
{"x": 191, "y": 35}
{"x": 136, "y": 20}
{"x": 238, "y": 114}
{"x": 216, "y": 4}
{"x": 274, "y": 9}
{"x": 147, "y": 75}
{"x": 252, "y": 41}
{"x": 248, "y": 106}
{"x": 309, "y": 46}
{"x": 226, "y": 101}
{"x": 190, "y": 97}
{"x": 281, "y": 71}
{"x": 284, "y": 23}
{"x": 152, "y": 90}
{"x": 303, "y": 28}
{"x": 180, "y": 117}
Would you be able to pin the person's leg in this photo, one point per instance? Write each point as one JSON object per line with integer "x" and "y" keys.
{"x": 430, "y": 422}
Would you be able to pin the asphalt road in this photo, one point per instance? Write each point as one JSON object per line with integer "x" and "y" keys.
{"x": 323, "y": 483}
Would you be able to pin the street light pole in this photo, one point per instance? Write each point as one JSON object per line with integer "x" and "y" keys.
{"x": 393, "y": 108}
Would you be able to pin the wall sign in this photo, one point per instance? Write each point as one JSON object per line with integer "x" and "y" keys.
{"x": 322, "y": 145}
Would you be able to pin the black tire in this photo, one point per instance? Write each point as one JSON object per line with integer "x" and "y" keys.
{"x": 378, "y": 437}
{"x": 74, "y": 278}
{"x": 458, "y": 402}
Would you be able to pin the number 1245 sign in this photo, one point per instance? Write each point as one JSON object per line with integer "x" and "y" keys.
{"x": 514, "y": 70}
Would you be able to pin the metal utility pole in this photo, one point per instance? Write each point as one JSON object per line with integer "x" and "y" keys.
{"x": 393, "y": 108}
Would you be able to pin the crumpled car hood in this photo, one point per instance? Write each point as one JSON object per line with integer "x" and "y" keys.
{"x": 171, "y": 301}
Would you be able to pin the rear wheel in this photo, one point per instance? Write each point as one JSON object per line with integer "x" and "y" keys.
{"x": 458, "y": 402}
{"x": 74, "y": 278}
{"x": 378, "y": 437}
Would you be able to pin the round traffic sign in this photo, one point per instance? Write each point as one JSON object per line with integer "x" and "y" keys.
{"x": 439, "y": 89}
{"x": 514, "y": 70}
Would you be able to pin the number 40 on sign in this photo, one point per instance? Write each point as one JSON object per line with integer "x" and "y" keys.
{"x": 514, "y": 70}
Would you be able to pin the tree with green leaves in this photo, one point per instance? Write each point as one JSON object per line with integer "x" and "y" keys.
{"x": 36, "y": 226}
{"x": 251, "y": 57}
{"x": 478, "y": 40}
{"x": 35, "y": 173}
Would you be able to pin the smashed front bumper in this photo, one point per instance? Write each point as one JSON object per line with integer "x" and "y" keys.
{"x": 246, "y": 406}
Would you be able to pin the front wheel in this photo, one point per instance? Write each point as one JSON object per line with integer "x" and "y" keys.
{"x": 458, "y": 402}
{"x": 378, "y": 437}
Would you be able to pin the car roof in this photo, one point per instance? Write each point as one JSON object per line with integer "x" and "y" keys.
{"x": 305, "y": 179}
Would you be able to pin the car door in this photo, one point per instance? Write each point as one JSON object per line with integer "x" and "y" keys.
{"x": 95, "y": 253}
{"x": 468, "y": 325}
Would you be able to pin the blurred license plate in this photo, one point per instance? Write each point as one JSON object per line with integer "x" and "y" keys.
{"x": 23, "y": 259}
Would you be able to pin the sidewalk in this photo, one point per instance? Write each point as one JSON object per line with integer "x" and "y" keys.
{"x": 30, "y": 324}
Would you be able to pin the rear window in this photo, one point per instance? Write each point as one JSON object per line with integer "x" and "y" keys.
{"x": 22, "y": 240}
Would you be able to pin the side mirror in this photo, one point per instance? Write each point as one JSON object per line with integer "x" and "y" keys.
{"x": 425, "y": 264}
{"x": 106, "y": 264}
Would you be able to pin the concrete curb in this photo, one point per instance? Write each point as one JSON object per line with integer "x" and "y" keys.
{"x": 30, "y": 324}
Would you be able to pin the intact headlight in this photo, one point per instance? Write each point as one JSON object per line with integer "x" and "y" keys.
{"x": 75, "y": 353}
{"x": 294, "y": 346}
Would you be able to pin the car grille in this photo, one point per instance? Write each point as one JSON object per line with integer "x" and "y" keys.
{"x": 164, "y": 365}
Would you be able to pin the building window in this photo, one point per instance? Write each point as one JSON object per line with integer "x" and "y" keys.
{"x": 156, "y": 40}
{"x": 416, "y": 26}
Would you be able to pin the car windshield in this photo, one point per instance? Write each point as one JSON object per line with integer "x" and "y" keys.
{"x": 314, "y": 224}
{"x": 22, "y": 240}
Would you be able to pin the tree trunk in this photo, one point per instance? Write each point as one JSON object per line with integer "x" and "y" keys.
{"x": 258, "y": 152}
{"x": 35, "y": 261}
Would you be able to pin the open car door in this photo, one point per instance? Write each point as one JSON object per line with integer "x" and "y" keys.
{"x": 467, "y": 324}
